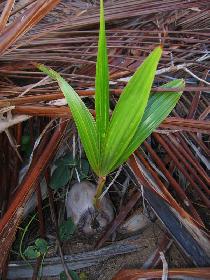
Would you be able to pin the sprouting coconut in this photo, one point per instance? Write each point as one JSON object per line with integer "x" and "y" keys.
{"x": 80, "y": 207}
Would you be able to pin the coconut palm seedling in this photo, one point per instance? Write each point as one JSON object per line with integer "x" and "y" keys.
{"x": 109, "y": 141}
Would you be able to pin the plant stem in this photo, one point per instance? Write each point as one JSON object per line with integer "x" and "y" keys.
{"x": 99, "y": 189}
{"x": 22, "y": 238}
{"x": 55, "y": 222}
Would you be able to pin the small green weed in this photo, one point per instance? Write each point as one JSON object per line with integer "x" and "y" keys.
{"x": 66, "y": 229}
{"x": 66, "y": 168}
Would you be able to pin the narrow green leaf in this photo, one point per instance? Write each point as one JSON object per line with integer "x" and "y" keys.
{"x": 102, "y": 83}
{"x": 158, "y": 108}
{"x": 60, "y": 177}
{"x": 31, "y": 252}
{"x": 66, "y": 229}
{"x": 84, "y": 120}
{"x": 129, "y": 111}
{"x": 41, "y": 245}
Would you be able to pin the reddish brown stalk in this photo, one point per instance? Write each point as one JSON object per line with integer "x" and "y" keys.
{"x": 41, "y": 229}
{"x": 200, "y": 143}
{"x": 205, "y": 113}
{"x": 177, "y": 221}
{"x": 125, "y": 9}
{"x": 37, "y": 96}
{"x": 22, "y": 24}
{"x": 30, "y": 99}
{"x": 172, "y": 153}
{"x": 192, "y": 159}
{"x": 11, "y": 219}
{"x": 69, "y": 45}
{"x": 174, "y": 273}
{"x": 194, "y": 106}
{"x": 55, "y": 223}
{"x": 22, "y": 7}
{"x": 187, "y": 125}
{"x": 40, "y": 211}
{"x": 163, "y": 246}
{"x": 163, "y": 195}
{"x": 45, "y": 97}
{"x": 186, "y": 159}
{"x": 165, "y": 171}
{"x": 62, "y": 111}
{"x": 124, "y": 211}
{"x": 196, "y": 99}
{"x": 47, "y": 111}
{"x": 167, "y": 195}
{"x": 18, "y": 133}
{"x": 5, "y": 14}
{"x": 169, "y": 177}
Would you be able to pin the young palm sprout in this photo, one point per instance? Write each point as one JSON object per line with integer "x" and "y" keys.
{"x": 108, "y": 142}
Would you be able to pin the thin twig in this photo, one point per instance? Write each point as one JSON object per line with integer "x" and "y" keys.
{"x": 174, "y": 68}
{"x": 13, "y": 143}
{"x": 165, "y": 266}
{"x": 53, "y": 215}
{"x": 195, "y": 76}
{"x": 34, "y": 85}
{"x": 112, "y": 182}
{"x": 6, "y": 14}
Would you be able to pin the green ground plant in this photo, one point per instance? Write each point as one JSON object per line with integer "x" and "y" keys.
{"x": 109, "y": 141}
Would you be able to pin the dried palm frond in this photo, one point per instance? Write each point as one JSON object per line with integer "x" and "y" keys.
{"x": 66, "y": 40}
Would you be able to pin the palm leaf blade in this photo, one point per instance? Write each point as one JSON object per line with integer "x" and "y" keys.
{"x": 129, "y": 111}
{"x": 158, "y": 108}
{"x": 84, "y": 120}
{"x": 102, "y": 84}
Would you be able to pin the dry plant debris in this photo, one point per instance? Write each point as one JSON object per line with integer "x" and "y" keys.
{"x": 170, "y": 169}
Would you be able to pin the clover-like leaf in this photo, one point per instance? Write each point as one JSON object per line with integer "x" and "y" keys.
{"x": 31, "y": 252}
{"x": 41, "y": 245}
{"x": 66, "y": 229}
{"x": 60, "y": 177}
